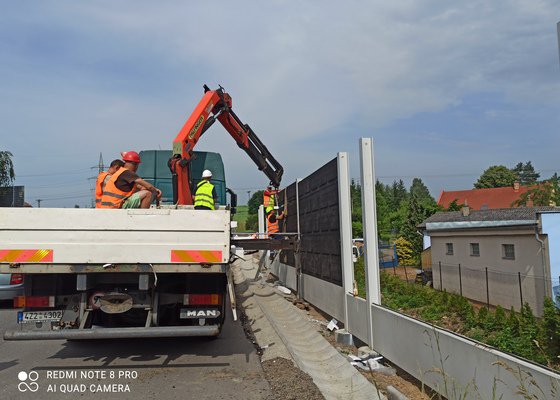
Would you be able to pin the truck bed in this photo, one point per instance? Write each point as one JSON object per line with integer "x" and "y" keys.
{"x": 69, "y": 239}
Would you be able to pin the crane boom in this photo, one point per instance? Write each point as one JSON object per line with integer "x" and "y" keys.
{"x": 216, "y": 105}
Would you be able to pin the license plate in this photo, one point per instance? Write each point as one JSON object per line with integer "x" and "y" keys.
{"x": 38, "y": 316}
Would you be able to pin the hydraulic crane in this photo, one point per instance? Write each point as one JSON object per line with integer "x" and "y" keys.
{"x": 216, "y": 105}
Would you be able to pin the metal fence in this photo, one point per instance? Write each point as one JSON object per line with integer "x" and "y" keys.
{"x": 493, "y": 287}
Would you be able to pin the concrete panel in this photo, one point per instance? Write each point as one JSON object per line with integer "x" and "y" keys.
{"x": 285, "y": 273}
{"x": 454, "y": 365}
{"x": 326, "y": 296}
{"x": 357, "y": 317}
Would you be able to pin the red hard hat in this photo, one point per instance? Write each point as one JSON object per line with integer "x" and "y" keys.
{"x": 130, "y": 156}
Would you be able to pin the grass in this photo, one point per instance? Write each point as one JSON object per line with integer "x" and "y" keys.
{"x": 241, "y": 217}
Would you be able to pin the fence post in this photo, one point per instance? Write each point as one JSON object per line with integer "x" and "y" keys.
{"x": 460, "y": 282}
{"x": 520, "y": 288}
{"x": 369, "y": 218}
{"x": 487, "y": 289}
{"x": 345, "y": 217}
{"x": 394, "y": 270}
{"x": 440, "y": 278}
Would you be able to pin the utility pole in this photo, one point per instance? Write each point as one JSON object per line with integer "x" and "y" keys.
{"x": 39, "y": 203}
{"x": 248, "y": 196}
{"x": 101, "y": 165}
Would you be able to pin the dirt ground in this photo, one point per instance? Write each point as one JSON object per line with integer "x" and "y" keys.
{"x": 288, "y": 382}
{"x": 405, "y": 383}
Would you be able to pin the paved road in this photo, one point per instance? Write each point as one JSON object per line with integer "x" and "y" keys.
{"x": 189, "y": 368}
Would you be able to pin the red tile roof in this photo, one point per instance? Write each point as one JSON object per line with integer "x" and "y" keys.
{"x": 476, "y": 198}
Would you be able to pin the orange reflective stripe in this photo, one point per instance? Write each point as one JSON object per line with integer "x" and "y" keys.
{"x": 26, "y": 255}
{"x": 196, "y": 256}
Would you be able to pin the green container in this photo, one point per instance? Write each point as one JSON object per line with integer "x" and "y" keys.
{"x": 154, "y": 169}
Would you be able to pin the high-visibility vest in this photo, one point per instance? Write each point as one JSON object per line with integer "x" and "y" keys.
{"x": 113, "y": 197}
{"x": 203, "y": 195}
{"x": 99, "y": 184}
{"x": 269, "y": 200}
{"x": 272, "y": 227}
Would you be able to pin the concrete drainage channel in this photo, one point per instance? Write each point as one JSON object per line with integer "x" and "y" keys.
{"x": 281, "y": 331}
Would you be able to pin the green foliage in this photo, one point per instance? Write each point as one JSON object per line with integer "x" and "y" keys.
{"x": 405, "y": 252}
{"x": 543, "y": 194}
{"x": 526, "y": 174}
{"x": 496, "y": 176}
{"x": 521, "y": 334}
{"x": 255, "y": 201}
{"x": 422, "y": 193}
{"x": 252, "y": 223}
{"x": 7, "y": 174}
{"x": 453, "y": 206}
{"x": 356, "y": 201}
{"x": 551, "y": 327}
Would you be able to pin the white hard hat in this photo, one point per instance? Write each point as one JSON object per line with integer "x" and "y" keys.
{"x": 207, "y": 173}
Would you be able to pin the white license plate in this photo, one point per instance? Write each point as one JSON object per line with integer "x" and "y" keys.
{"x": 37, "y": 316}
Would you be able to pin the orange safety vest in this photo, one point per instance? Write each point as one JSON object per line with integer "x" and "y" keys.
{"x": 113, "y": 197}
{"x": 272, "y": 227}
{"x": 99, "y": 184}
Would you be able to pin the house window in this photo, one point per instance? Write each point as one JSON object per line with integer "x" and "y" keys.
{"x": 508, "y": 251}
{"x": 449, "y": 249}
{"x": 475, "y": 249}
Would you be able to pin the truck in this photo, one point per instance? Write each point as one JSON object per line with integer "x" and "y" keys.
{"x": 121, "y": 273}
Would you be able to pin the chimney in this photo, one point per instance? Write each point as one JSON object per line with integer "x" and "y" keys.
{"x": 516, "y": 186}
{"x": 465, "y": 209}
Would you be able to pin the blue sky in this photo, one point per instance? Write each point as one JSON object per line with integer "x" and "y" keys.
{"x": 445, "y": 90}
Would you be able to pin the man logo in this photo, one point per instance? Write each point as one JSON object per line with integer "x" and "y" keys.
{"x": 32, "y": 386}
{"x": 200, "y": 313}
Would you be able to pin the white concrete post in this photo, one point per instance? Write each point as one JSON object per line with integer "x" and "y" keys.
{"x": 262, "y": 225}
{"x": 345, "y": 217}
{"x": 369, "y": 222}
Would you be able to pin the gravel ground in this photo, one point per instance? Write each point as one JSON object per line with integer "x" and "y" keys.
{"x": 288, "y": 382}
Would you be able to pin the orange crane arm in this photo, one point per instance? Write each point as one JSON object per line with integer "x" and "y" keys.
{"x": 216, "y": 105}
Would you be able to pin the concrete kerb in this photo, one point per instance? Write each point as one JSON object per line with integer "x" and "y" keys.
{"x": 296, "y": 338}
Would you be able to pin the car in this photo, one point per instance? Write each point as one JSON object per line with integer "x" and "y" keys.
{"x": 11, "y": 285}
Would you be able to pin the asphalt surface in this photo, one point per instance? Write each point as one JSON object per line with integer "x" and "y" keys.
{"x": 185, "y": 368}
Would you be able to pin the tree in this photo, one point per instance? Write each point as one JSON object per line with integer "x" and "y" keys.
{"x": 526, "y": 174}
{"x": 356, "y": 200}
{"x": 421, "y": 192}
{"x": 7, "y": 174}
{"x": 255, "y": 201}
{"x": 546, "y": 193}
{"x": 496, "y": 176}
{"x": 454, "y": 206}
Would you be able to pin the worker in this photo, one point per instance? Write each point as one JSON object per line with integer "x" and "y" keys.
{"x": 269, "y": 199}
{"x": 125, "y": 189}
{"x": 102, "y": 179}
{"x": 205, "y": 197}
{"x": 273, "y": 222}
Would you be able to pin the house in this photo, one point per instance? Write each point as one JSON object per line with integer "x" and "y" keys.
{"x": 482, "y": 199}
{"x": 495, "y": 256}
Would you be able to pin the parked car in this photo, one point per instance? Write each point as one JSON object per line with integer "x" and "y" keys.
{"x": 11, "y": 285}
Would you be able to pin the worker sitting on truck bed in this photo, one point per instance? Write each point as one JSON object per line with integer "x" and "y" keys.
{"x": 205, "y": 197}
{"x": 102, "y": 179}
{"x": 125, "y": 189}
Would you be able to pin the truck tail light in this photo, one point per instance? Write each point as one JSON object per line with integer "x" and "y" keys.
{"x": 202, "y": 299}
{"x": 33, "y": 301}
{"x": 16, "y": 279}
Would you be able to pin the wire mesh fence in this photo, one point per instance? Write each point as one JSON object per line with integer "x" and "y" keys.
{"x": 493, "y": 287}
